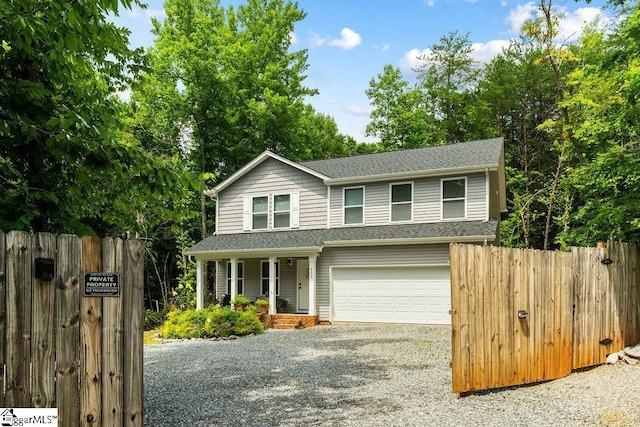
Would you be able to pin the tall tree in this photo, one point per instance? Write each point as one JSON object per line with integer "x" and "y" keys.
{"x": 519, "y": 91}
{"x": 229, "y": 81}
{"x": 399, "y": 117}
{"x": 604, "y": 101}
{"x": 448, "y": 79}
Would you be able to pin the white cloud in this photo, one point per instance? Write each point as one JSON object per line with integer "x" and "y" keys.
{"x": 410, "y": 62}
{"x": 518, "y": 16}
{"x": 573, "y": 23}
{"x": 430, "y": 2}
{"x": 485, "y": 52}
{"x": 317, "y": 39}
{"x": 503, "y": 3}
{"x": 383, "y": 48}
{"x": 358, "y": 110}
{"x": 293, "y": 38}
{"x": 570, "y": 26}
{"x": 348, "y": 40}
{"x": 138, "y": 12}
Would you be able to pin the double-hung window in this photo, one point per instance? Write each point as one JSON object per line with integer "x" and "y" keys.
{"x": 401, "y": 202}
{"x": 239, "y": 278}
{"x": 260, "y": 213}
{"x": 353, "y": 205}
{"x": 265, "y": 277}
{"x": 454, "y": 198}
{"x": 282, "y": 211}
{"x": 265, "y": 212}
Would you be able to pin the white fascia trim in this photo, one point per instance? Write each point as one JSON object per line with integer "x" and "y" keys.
{"x": 408, "y": 175}
{"x": 409, "y": 241}
{"x": 257, "y": 253}
{"x": 255, "y": 162}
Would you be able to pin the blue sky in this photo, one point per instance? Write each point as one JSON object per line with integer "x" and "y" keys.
{"x": 350, "y": 41}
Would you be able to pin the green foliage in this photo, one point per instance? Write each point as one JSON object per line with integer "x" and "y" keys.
{"x": 61, "y": 66}
{"x": 240, "y": 300}
{"x": 262, "y": 302}
{"x": 214, "y": 321}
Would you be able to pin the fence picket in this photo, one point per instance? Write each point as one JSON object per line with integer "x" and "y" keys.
{"x": 112, "y": 337}
{"x": 68, "y": 330}
{"x": 133, "y": 335}
{"x": 42, "y": 333}
{"x": 18, "y": 339}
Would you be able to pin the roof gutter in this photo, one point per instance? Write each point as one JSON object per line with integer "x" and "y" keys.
{"x": 412, "y": 174}
{"x": 410, "y": 241}
{"x": 255, "y": 253}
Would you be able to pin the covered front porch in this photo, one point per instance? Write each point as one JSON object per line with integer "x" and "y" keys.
{"x": 287, "y": 280}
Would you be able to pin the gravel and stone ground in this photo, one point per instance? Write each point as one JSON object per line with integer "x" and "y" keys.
{"x": 362, "y": 375}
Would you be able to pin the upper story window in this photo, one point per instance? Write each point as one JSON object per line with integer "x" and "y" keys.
{"x": 402, "y": 202}
{"x": 260, "y": 212}
{"x": 265, "y": 212}
{"x": 239, "y": 277}
{"x": 265, "y": 277}
{"x": 454, "y": 198}
{"x": 282, "y": 211}
{"x": 353, "y": 205}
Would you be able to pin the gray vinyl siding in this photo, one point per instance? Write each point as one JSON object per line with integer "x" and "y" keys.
{"x": 269, "y": 178}
{"x": 253, "y": 282}
{"x": 371, "y": 256}
{"x": 426, "y": 203}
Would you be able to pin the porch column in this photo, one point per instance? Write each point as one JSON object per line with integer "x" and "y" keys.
{"x": 312, "y": 284}
{"x": 272, "y": 285}
{"x": 201, "y": 271}
{"x": 234, "y": 277}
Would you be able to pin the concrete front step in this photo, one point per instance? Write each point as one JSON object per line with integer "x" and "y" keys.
{"x": 293, "y": 321}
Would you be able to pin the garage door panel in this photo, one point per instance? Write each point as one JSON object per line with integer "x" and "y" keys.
{"x": 394, "y": 294}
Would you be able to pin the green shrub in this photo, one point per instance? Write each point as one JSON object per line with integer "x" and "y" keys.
{"x": 248, "y": 323}
{"x": 215, "y": 321}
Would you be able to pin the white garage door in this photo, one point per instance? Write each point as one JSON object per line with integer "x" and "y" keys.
{"x": 392, "y": 294}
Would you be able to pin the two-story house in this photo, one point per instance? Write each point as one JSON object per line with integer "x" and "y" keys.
{"x": 358, "y": 239}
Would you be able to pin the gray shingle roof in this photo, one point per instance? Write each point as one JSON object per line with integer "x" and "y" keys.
{"x": 315, "y": 239}
{"x": 482, "y": 153}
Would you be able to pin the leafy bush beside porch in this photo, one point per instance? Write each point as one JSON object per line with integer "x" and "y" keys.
{"x": 214, "y": 321}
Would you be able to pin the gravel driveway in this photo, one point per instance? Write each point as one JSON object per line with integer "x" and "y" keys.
{"x": 362, "y": 375}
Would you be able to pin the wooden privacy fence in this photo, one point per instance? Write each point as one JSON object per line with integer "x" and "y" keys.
{"x": 523, "y": 316}
{"x": 61, "y": 349}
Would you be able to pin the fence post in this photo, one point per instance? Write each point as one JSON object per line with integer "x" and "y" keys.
{"x": 42, "y": 335}
{"x": 68, "y": 330}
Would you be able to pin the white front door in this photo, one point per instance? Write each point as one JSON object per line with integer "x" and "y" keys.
{"x": 303, "y": 285}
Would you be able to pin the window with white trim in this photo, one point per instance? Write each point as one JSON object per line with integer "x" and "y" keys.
{"x": 401, "y": 202}
{"x": 264, "y": 279}
{"x": 260, "y": 213}
{"x": 353, "y": 202}
{"x": 239, "y": 277}
{"x": 265, "y": 212}
{"x": 282, "y": 211}
{"x": 454, "y": 198}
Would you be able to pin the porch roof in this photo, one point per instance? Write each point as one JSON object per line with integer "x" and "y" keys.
{"x": 307, "y": 242}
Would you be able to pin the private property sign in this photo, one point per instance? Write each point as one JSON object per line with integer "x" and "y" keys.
{"x": 101, "y": 285}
